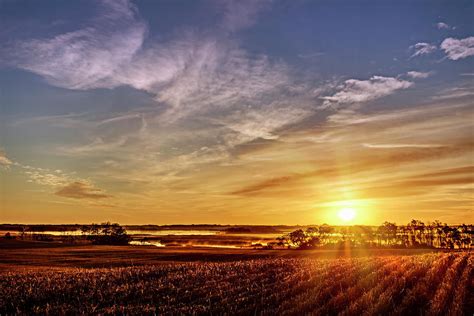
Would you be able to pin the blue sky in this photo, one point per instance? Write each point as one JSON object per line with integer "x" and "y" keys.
{"x": 235, "y": 111}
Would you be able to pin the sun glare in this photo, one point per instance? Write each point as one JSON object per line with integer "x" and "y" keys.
{"x": 349, "y": 211}
{"x": 347, "y": 214}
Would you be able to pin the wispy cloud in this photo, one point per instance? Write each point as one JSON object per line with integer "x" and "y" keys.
{"x": 422, "y": 49}
{"x": 81, "y": 190}
{"x": 366, "y": 150}
{"x": 458, "y": 48}
{"x": 265, "y": 185}
{"x": 462, "y": 91}
{"x": 220, "y": 109}
{"x": 65, "y": 184}
{"x": 73, "y": 120}
{"x": 221, "y": 76}
{"x": 89, "y": 57}
{"x": 395, "y": 146}
{"x": 36, "y": 175}
{"x": 238, "y": 15}
{"x": 444, "y": 26}
{"x": 253, "y": 124}
{"x": 4, "y": 161}
{"x": 419, "y": 74}
{"x": 45, "y": 176}
{"x": 194, "y": 73}
{"x": 357, "y": 91}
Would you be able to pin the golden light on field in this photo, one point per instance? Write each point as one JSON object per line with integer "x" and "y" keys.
{"x": 347, "y": 214}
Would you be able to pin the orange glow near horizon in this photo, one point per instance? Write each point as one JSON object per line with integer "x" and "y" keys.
{"x": 349, "y": 212}
{"x": 279, "y": 183}
{"x": 222, "y": 114}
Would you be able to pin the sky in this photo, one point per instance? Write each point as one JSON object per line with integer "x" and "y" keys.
{"x": 236, "y": 112}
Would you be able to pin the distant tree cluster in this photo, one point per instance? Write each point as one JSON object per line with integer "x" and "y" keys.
{"x": 106, "y": 234}
{"x": 415, "y": 234}
{"x": 8, "y": 236}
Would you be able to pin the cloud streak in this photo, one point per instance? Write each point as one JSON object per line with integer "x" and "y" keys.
{"x": 81, "y": 190}
{"x": 419, "y": 74}
{"x": 261, "y": 124}
{"x": 395, "y": 146}
{"x": 364, "y": 154}
{"x": 422, "y": 48}
{"x": 358, "y": 91}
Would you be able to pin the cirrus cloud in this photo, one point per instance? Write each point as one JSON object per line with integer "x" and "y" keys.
{"x": 357, "y": 91}
{"x": 86, "y": 58}
{"x": 422, "y": 49}
{"x": 193, "y": 72}
{"x": 419, "y": 74}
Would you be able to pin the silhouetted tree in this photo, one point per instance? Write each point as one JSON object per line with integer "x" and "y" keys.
{"x": 324, "y": 231}
{"x": 23, "y": 231}
{"x": 106, "y": 234}
{"x": 281, "y": 241}
{"x": 297, "y": 237}
{"x": 312, "y": 231}
{"x": 313, "y": 242}
{"x": 414, "y": 234}
{"x": 388, "y": 232}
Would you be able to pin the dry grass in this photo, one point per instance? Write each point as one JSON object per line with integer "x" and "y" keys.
{"x": 435, "y": 284}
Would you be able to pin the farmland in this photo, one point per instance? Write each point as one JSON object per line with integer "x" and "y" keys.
{"x": 235, "y": 282}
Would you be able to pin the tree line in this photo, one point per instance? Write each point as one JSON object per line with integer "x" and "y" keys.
{"x": 415, "y": 234}
{"x": 106, "y": 234}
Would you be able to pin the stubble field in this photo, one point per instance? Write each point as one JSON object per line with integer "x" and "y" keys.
{"x": 422, "y": 284}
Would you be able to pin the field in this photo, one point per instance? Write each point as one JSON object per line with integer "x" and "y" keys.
{"x": 131, "y": 280}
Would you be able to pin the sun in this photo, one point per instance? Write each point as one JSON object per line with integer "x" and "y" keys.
{"x": 347, "y": 214}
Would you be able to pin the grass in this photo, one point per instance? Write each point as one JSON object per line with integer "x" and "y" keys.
{"x": 148, "y": 280}
{"x": 16, "y": 254}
